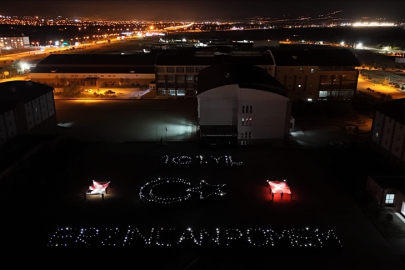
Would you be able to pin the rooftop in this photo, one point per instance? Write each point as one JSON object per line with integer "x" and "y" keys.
{"x": 394, "y": 109}
{"x": 314, "y": 57}
{"x": 246, "y": 76}
{"x": 20, "y": 91}
{"x": 211, "y": 59}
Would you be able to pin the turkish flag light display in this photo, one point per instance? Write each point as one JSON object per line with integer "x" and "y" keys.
{"x": 279, "y": 187}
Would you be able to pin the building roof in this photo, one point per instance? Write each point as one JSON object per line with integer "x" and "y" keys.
{"x": 210, "y": 59}
{"x": 314, "y": 57}
{"x": 101, "y": 69}
{"x": 244, "y": 75}
{"x": 143, "y": 59}
{"x": 21, "y": 91}
{"x": 391, "y": 182}
{"x": 394, "y": 109}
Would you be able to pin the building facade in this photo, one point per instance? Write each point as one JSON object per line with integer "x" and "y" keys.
{"x": 177, "y": 75}
{"x": 26, "y": 108}
{"x": 242, "y": 104}
{"x": 388, "y": 192}
{"x": 388, "y": 130}
{"x": 9, "y": 43}
{"x": 94, "y": 70}
{"x": 317, "y": 74}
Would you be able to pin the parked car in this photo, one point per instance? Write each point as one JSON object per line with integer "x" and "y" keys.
{"x": 109, "y": 92}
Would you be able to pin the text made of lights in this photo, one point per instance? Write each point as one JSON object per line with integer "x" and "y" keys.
{"x": 187, "y": 160}
{"x": 305, "y": 238}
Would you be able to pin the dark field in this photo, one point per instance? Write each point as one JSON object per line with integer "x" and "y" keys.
{"x": 321, "y": 200}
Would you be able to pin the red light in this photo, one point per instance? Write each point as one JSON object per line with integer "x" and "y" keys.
{"x": 279, "y": 187}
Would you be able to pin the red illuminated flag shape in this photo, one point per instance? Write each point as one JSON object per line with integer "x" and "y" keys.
{"x": 279, "y": 187}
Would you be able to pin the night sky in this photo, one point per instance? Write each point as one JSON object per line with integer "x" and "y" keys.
{"x": 199, "y": 10}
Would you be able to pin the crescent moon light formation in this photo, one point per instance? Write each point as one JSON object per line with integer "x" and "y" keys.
{"x": 205, "y": 190}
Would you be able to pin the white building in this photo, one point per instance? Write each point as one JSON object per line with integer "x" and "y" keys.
{"x": 242, "y": 104}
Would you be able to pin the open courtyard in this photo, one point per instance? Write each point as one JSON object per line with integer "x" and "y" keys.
{"x": 321, "y": 200}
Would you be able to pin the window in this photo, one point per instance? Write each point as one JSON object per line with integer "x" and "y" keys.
{"x": 161, "y": 92}
{"x": 250, "y": 134}
{"x": 389, "y": 198}
{"x": 161, "y": 69}
{"x": 299, "y": 86}
{"x": 170, "y": 77}
{"x": 246, "y": 134}
{"x": 243, "y": 109}
{"x": 161, "y": 77}
{"x": 180, "y": 69}
{"x": 301, "y": 69}
{"x": 241, "y": 135}
{"x": 243, "y": 121}
{"x": 251, "y": 110}
{"x": 190, "y": 69}
{"x": 376, "y": 135}
{"x": 170, "y": 69}
{"x": 312, "y": 70}
{"x": 197, "y": 69}
{"x": 189, "y": 78}
{"x": 181, "y": 92}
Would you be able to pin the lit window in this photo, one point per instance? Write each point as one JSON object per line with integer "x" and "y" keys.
{"x": 299, "y": 85}
{"x": 312, "y": 70}
{"x": 389, "y": 198}
{"x": 376, "y": 134}
{"x": 243, "y": 121}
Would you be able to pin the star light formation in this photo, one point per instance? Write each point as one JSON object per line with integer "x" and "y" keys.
{"x": 304, "y": 238}
{"x": 212, "y": 190}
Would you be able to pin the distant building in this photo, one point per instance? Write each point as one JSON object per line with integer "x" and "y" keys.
{"x": 9, "y": 43}
{"x": 400, "y": 60}
{"x": 95, "y": 70}
{"x": 311, "y": 75}
{"x": 26, "y": 108}
{"x": 242, "y": 104}
{"x": 317, "y": 74}
{"x": 265, "y": 43}
{"x": 177, "y": 75}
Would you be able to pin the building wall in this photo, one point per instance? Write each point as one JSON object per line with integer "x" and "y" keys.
{"x": 8, "y": 126}
{"x": 14, "y": 42}
{"x": 388, "y": 138}
{"x": 219, "y": 106}
{"x": 311, "y": 82}
{"x": 260, "y": 116}
{"x": 181, "y": 81}
{"x": 268, "y": 116}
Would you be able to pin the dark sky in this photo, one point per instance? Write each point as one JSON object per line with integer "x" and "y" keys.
{"x": 199, "y": 10}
